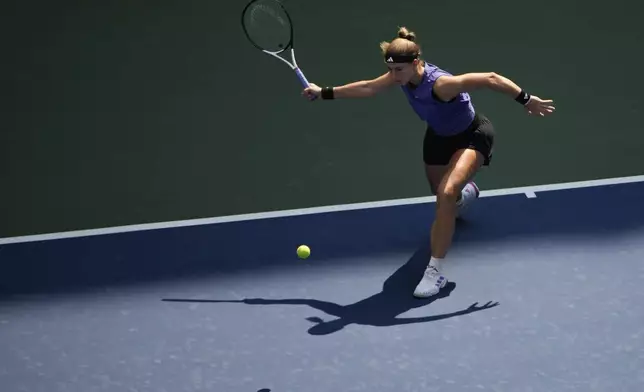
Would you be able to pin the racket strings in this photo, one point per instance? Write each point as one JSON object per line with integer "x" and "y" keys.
{"x": 267, "y": 26}
{"x": 268, "y": 10}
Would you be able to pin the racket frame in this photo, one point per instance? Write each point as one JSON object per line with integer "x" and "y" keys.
{"x": 289, "y": 46}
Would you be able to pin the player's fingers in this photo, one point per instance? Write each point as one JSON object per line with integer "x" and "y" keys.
{"x": 546, "y": 109}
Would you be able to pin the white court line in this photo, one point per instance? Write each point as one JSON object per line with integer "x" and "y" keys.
{"x": 527, "y": 190}
{"x": 530, "y": 195}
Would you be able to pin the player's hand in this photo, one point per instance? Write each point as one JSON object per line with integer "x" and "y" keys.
{"x": 540, "y": 107}
{"x": 312, "y": 92}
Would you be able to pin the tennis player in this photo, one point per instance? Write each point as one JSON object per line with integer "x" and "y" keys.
{"x": 458, "y": 140}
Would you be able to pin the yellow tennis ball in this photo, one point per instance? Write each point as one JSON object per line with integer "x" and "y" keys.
{"x": 303, "y": 252}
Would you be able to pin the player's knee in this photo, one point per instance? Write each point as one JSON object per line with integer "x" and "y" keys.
{"x": 447, "y": 194}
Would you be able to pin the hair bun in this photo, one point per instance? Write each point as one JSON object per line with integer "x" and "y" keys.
{"x": 406, "y": 34}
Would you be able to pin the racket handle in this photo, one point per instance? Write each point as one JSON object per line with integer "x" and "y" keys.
{"x": 302, "y": 78}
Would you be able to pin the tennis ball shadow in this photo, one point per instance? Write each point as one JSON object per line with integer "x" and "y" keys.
{"x": 380, "y": 309}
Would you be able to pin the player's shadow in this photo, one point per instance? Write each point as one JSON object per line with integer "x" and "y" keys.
{"x": 381, "y": 309}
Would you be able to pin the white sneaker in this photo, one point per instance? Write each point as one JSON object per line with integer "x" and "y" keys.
{"x": 468, "y": 195}
{"x": 431, "y": 283}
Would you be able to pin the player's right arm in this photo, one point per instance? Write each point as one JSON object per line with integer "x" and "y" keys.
{"x": 359, "y": 89}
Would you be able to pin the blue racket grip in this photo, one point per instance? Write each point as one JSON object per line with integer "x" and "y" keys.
{"x": 303, "y": 80}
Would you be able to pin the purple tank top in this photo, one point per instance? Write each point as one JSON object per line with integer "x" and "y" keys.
{"x": 445, "y": 118}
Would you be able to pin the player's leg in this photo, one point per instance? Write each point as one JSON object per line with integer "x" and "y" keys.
{"x": 470, "y": 151}
{"x": 461, "y": 169}
{"x": 436, "y": 173}
{"x": 464, "y": 165}
{"x": 436, "y": 155}
{"x": 481, "y": 140}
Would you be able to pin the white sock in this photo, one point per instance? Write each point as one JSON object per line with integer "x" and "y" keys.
{"x": 435, "y": 262}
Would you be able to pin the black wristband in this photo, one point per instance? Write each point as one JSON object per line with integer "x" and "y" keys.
{"x": 327, "y": 93}
{"x": 522, "y": 98}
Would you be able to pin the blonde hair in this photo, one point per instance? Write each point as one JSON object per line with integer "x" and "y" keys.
{"x": 404, "y": 43}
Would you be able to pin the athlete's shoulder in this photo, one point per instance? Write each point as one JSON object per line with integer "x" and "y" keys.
{"x": 433, "y": 71}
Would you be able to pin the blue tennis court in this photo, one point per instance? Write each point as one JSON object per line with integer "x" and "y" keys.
{"x": 546, "y": 294}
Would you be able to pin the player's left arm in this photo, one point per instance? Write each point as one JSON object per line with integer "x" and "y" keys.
{"x": 447, "y": 87}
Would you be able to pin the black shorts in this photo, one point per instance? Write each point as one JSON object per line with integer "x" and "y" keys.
{"x": 438, "y": 150}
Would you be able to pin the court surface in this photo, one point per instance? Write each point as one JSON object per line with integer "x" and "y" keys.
{"x": 545, "y": 294}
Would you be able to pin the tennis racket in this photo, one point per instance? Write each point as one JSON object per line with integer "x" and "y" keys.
{"x": 269, "y": 28}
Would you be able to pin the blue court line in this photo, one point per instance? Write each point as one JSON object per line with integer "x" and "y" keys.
{"x": 528, "y": 191}
{"x": 589, "y": 211}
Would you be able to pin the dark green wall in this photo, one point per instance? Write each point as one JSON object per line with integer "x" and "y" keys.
{"x": 126, "y": 113}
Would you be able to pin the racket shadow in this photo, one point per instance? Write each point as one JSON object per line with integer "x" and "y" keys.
{"x": 379, "y": 310}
